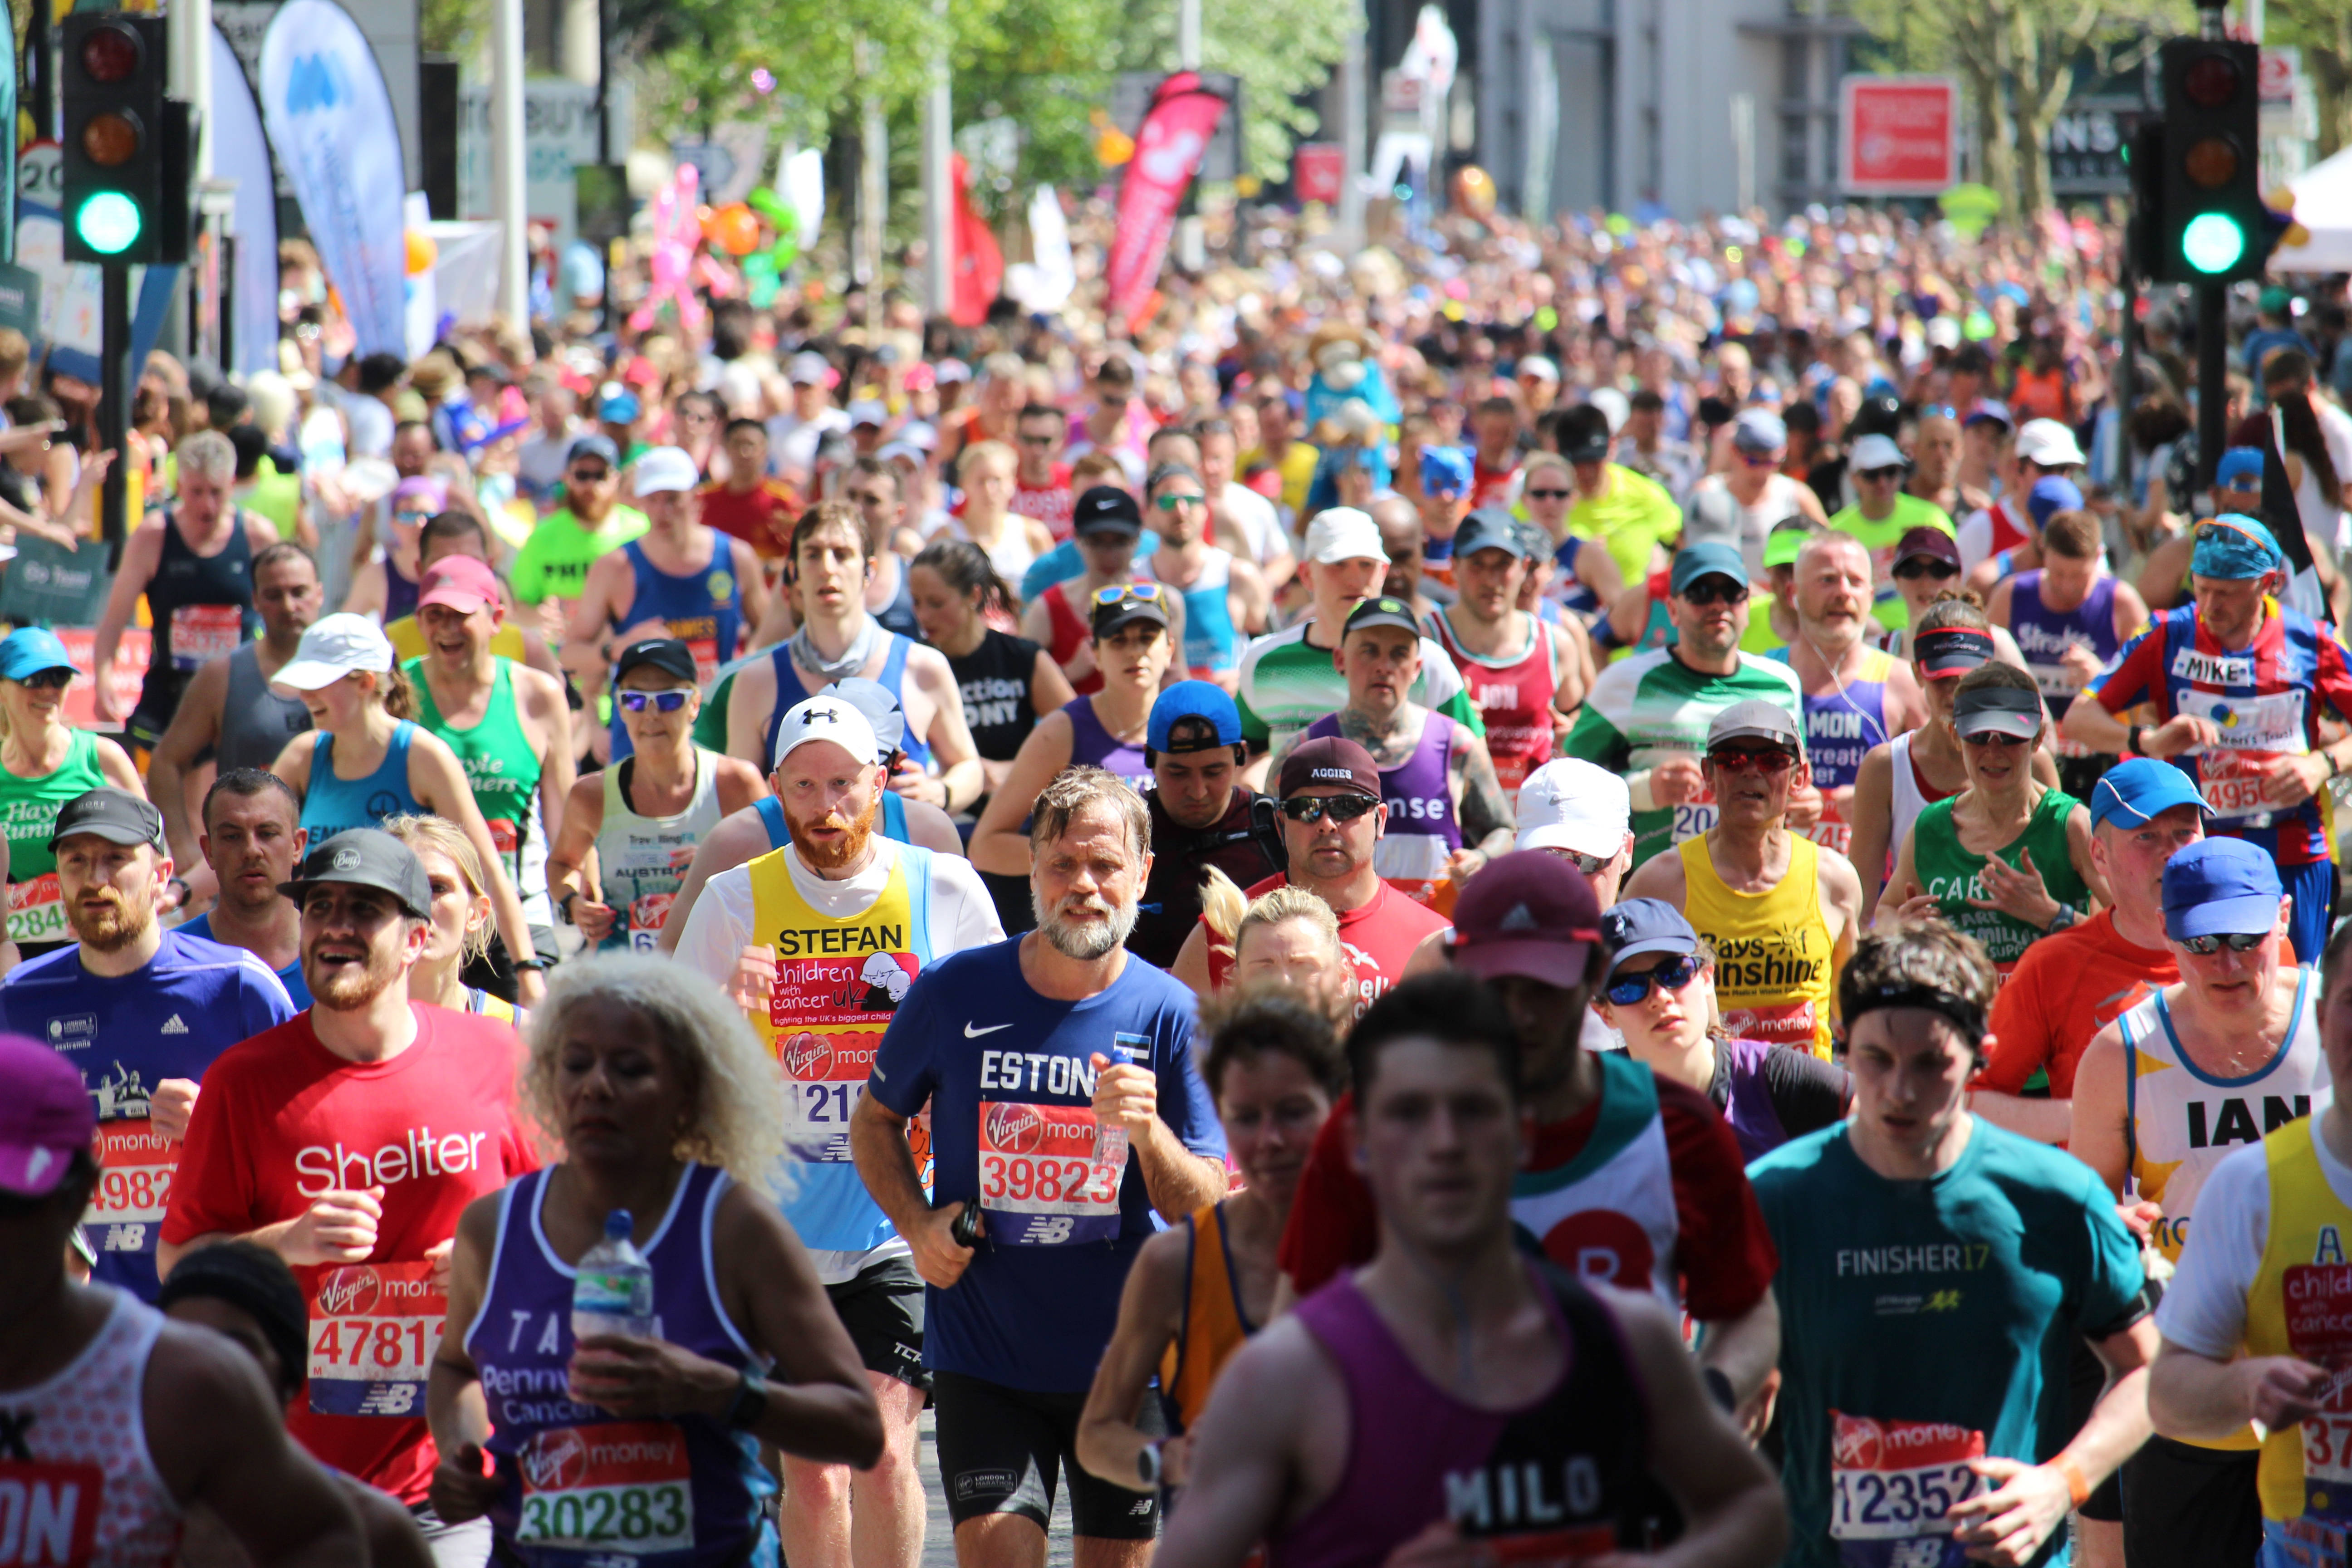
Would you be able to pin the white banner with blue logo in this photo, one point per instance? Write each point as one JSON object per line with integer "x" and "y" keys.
{"x": 331, "y": 125}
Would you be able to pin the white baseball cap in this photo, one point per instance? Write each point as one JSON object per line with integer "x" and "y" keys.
{"x": 1569, "y": 803}
{"x": 1873, "y": 452}
{"x": 868, "y": 411}
{"x": 331, "y": 648}
{"x": 826, "y": 718}
{"x": 2050, "y": 444}
{"x": 665, "y": 468}
{"x": 1343, "y": 533}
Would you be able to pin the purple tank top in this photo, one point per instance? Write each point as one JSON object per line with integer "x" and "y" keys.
{"x": 1748, "y": 1107}
{"x": 1091, "y": 745}
{"x": 2042, "y": 632}
{"x": 583, "y": 1487}
{"x": 1840, "y": 729}
{"x": 399, "y": 593}
{"x": 1556, "y": 1478}
{"x": 1418, "y": 790}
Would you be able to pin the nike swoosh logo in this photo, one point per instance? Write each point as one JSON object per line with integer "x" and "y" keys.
{"x": 971, "y": 1034}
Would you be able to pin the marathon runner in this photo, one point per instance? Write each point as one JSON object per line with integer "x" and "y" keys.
{"x": 44, "y": 762}
{"x": 1109, "y": 540}
{"x": 1882, "y": 514}
{"x": 554, "y": 562}
{"x": 840, "y": 923}
{"x": 2050, "y": 497}
{"x": 2166, "y": 1091}
{"x": 1202, "y": 815}
{"x": 141, "y": 1011}
{"x": 2070, "y": 618}
{"x": 2239, "y": 687}
{"x": 614, "y": 1445}
{"x": 1856, "y": 696}
{"x": 1090, "y": 1118}
{"x": 1756, "y": 486}
{"x": 253, "y": 832}
{"x": 1779, "y": 911}
{"x": 1448, "y": 814}
{"x": 1332, "y": 820}
{"x": 1290, "y": 937}
{"x": 1222, "y": 592}
{"x": 1525, "y": 675}
{"x": 1457, "y": 1401}
{"x": 1934, "y": 1269}
{"x": 461, "y": 533}
{"x": 348, "y": 1140}
{"x": 1648, "y": 714}
{"x": 1198, "y": 1291}
{"x": 118, "y": 1422}
{"x": 1583, "y": 814}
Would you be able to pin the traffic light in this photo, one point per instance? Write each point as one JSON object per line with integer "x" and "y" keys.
{"x": 127, "y": 147}
{"x": 2209, "y": 222}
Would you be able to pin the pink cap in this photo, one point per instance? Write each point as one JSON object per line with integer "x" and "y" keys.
{"x": 460, "y": 582}
{"x": 46, "y": 1115}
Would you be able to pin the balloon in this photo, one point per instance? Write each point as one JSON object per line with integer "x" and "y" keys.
{"x": 422, "y": 252}
{"x": 732, "y": 229}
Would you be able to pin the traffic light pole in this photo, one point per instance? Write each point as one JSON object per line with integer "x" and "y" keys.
{"x": 2212, "y": 378}
{"x": 114, "y": 407}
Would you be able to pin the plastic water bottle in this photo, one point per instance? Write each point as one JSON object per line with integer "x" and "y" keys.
{"x": 613, "y": 1292}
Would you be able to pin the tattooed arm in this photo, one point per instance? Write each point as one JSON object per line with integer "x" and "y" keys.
{"x": 1480, "y": 804}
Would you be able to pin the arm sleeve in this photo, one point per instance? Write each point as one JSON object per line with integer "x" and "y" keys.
{"x": 209, "y": 1190}
{"x": 717, "y": 926}
{"x": 1725, "y": 1252}
{"x": 904, "y": 1072}
{"x": 1332, "y": 1225}
{"x": 1808, "y": 1093}
{"x": 2204, "y": 1305}
{"x": 2021, "y": 1027}
{"x": 2135, "y": 676}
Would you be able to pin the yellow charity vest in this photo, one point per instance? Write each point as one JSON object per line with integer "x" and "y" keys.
{"x": 1772, "y": 950}
{"x": 838, "y": 982}
{"x": 407, "y": 639}
{"x": 2301, "y": 1304}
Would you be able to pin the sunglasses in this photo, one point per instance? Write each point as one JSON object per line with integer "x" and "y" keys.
{"x": 1591, "y": 865}
{"x": 590, "y": 476}
{"x": 1911, "y": 571}
{"x": 1772, "y": 762}
{"x": 660, "y": 701}
{"x": 1715, "y": 591}
{"x": 1311, "y": 808}
{"x": 1038, "y": 441}
{"x": 1880, "y": 476}
{"x": 1170, "y": 504}
{"x": 48, "y": 679}
{"x": 1549, "y": 495}
{"x": 1625, "y": 990}
{"x": 1147, "y": 593}
{"x": 1760, "y": 459}
{"x": 1994, "y": 737}
{"x": 2235, "y": 940}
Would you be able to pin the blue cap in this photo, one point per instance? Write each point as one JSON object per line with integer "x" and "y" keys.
{"x": 1643, "y": 925}
{"x": 1712, "y": 559}
{"x": 620, "y": 408}
{"x": 2217, "y": 887}
{"x": 1490, "y": 528}
{"x": 1988, "y": 411}
{"x": 2239, "y": 463}
{"x": 29, "y": 650}
{"x": 1193, "y": 700}
{"x": 2052, "y": 496}
{"x": 2234, "y": 547}
{"x": 2135, "y": 794}
{"x": 1444, "y": 471}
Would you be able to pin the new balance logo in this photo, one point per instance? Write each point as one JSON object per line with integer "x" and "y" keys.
{"x": 173, "y": 1025}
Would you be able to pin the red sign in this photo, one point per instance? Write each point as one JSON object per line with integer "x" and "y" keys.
{"x": 1315, "y": 172}
{"x": 1902, "y": 135}
{"x": 129, "y": 673}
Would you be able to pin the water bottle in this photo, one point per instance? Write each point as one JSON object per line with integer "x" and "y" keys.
{"x": 613, "y": 1292}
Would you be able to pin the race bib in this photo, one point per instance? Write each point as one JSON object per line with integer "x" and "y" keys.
{"x": 2267, "y": 723}
{"x": 622, "y": 1488}
{"x": 37, "y": 911}
{"x": 1780, "y": 1023}
{"x": 648, "y": 913}
{"x": 1891, "y": 1484}
{"x": 375, "y": 1328}
{"x": 1832, "y": 831}
{"x": 1049, "y": 1175}
{"x": 200, "y": 632}
{"x": 2233, "y": 782}
{"x": 829, "y": 1014}
{"x": 48, "y": 1513}
{"x": 2319, "y": 1330}
{"x": 505, "y": 838}
{"x": 133, "y": 1189}
{"x": 706, "y": 660}
{"x": 1695, "y": 818}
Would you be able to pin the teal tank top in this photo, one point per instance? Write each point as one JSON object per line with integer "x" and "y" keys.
{"x": 333, "y": 805}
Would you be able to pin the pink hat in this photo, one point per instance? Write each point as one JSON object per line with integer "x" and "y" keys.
{"x": 459, "y": 582}
{"x": 46, "y": 1115}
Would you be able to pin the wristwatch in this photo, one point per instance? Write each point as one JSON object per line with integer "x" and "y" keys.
{"x": 522, "y": 963}
{"x": 1146, "y": 1463}
{"x": 750, "y": 1402}
{"x": 2066, "y": 916}
{"x": 564, "y": 907}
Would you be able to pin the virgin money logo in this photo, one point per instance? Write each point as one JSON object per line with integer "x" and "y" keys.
{"x": 651, "y": 912}
{"x": 349, "y": 1292}
{"x": 1858, "y": 1444}
{"x": 1015, "y": 1129}
{"x": 807, "y": 1056}
{"x": 556, "y": 1460}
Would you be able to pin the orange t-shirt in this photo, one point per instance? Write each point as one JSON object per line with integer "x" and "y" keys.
{"x": 2064, "y": 992}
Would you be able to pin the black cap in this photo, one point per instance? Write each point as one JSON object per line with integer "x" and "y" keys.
{"x": 1104, "y": 508}
{"x": 1133, "y": 602}
{"x": 668, "y": 655}
{"x": 116, "y": 815}
{"x": 593, "y": 444}
{"x": 366, "y": 857}
{"x": 1381, "y": 612}
{"x": 1490, "y": 528}
{"x": 2012, "y": 710}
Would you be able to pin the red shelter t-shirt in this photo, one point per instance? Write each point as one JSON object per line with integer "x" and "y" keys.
{"x": 282, "y": 1120}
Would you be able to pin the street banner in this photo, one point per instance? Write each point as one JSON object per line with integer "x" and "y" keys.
{"x": 241, "y": 152}
{"x": 330, "y": 121}
{"x": 979, "y": 266}
{"x": 1902, "y": 135}
{"x": 1176, "y": 131}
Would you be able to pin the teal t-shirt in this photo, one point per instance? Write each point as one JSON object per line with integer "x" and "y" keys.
{"x": 1924, "y": 1311}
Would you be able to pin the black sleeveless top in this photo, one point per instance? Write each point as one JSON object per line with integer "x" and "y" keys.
{"x": 1171, "y": 897}
{"x": 186, "y": 584}
{"x": 993, "y": 679}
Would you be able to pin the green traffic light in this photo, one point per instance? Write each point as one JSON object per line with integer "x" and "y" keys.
{"x": 109, "y": 223}
{"x": 2212, "y": 242}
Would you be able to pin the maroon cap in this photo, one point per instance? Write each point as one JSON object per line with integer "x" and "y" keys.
{"x": 1924, "y": 543}
{"x": 45, "y": 1116}
{"x": 1528, "y": 913}
{"x": 1329, "y": 760}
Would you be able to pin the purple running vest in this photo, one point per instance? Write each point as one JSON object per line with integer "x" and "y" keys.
{"x": 2042, "y": 632}
{"x": 1754, "y": 1120}
{"x": 582, "y": 1486}
{"x": 1559, "y": 1478}
{"x": 1091, "y": 745}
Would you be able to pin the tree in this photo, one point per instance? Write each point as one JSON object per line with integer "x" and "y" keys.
{"x": 2323, "y": 29}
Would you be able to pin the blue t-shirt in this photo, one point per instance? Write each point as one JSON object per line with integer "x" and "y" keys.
{"x": 291, "y": 976}
{"x": 1003, "y": 1065}
{"x": 127, "y": 1034}
{"x": 1922, "y": 1312}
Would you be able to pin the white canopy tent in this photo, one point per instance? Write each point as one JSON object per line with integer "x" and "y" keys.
{"x": 2323, "y": 204}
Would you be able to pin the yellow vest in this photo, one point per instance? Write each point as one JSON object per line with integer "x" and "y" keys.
{"x": 407, "y": 639}
{"x": 1772, "y": 950}
{"x": 2302, "y": 1262}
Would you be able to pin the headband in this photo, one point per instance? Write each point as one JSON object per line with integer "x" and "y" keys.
{"x": 1964, "y": 1014}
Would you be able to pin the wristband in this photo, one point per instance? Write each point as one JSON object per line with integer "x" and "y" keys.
{"x": 2077, "y": 1488}
{"x": 522, "y": 963}
{"x": 565, "y": 907}
{"x": 2334, "y": 767}
{"x": 2132, "y": 740}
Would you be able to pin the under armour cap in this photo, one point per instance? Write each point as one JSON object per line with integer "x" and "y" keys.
{"x": 671, "y": 656}
{"x": 331, "y": 648}
{"x": 2220, "y": 887}
{"x": 365, "y": 857}
{"x": 1572, "y": 805}
{"x": 880, "y": 706}
{"x": 29, "y": 650}
{"x": 665, "y": 468}
{"x": 1343, "y": 533}
{"x": 45, "y": 1116}
{"x": 826, "y": 718}
{"x": 1643, "y": 925}
{"x": 114, "y": 815}
{"x": 1207, "y": 710}
{"x": 1528, "y": 914}
{"x": 1329, "y": 760}
{"x": 2135, "y": 794}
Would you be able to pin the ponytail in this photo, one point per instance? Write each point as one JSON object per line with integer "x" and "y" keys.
{"x": 399, "y": 698}
{"x": 2300, "y": 426}
{"x": 964, "y": 566}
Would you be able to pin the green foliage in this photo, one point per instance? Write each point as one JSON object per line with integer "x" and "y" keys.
{"x": 2323, "y": 30}
{"x": 451, "y": 28}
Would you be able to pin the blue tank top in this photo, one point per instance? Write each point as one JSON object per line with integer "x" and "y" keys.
{"x": 790, "y": 692}
{"x": 291, "y": 976}
{"x": 1091, "y": 745}
{"x": 704, "y": 610}
{"x": 1842, "y": 727}
{"x": 892, "y": 819}
{"x": 2043, "y": 634}
{"x": 1212, "y": 642}
{"x": 331, "y": 806}
{"x": 583, "y": 1487}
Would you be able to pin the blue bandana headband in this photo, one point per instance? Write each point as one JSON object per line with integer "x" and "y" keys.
{"x": 2234, "y": 547}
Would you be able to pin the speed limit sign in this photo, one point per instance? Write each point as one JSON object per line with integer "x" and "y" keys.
{"x": 41, "y": 175}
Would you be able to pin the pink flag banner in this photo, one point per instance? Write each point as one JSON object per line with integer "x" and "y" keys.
{"x": 1176, "y": 131}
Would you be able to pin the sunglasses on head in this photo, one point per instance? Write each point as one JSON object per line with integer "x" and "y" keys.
{"x": 1549, "y": 495}
{"x": 2235, "y": 940}
{"x": 1715, "y": 591}
{"x": 1119, "y": 594}
{"x": 1771, "y": 760}
{"x": 1920, "y": 566}
{"x": 661, "y": 701}
{"x": 1625, "y": 990}
{"x": 1314, "y": 808}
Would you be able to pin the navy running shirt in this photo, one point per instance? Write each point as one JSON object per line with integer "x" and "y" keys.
{"x": 1010, "y": 1080}
{"x": 297, "y": 988}
{"x": 127, "y": 1034}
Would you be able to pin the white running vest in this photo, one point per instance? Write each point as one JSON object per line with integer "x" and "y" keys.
{"x": 82, "y": 1489}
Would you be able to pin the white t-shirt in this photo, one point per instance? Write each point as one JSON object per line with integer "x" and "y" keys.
{"x": 2204, "y": 1305}
{"x": 1260, "y": 525}
{"x": 540, "y": 462}
{"x": 791, "y": 441}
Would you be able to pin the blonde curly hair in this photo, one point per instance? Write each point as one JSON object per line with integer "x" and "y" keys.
{"x": 737, "y": 1120}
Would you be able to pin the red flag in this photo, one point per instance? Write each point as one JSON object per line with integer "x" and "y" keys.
{"x": 979, "y": 271}
{"x": 1168, "y": 149}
